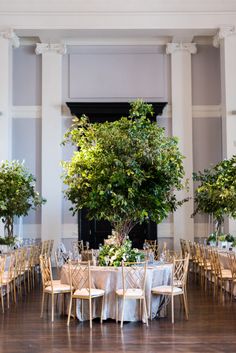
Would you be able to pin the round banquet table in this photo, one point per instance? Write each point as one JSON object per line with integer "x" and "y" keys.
{"x": 110, "y": 279}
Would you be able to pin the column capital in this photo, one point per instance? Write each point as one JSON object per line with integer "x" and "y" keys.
{"x": 42, "y": 48}
{"x": 11, "y": 36}
{"x": 223, "y": 32}
{"x": 173, "y": 47}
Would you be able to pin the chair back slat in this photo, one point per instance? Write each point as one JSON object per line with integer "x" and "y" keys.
{"x": 134, "y": 275}
{"x": 79, "y": 275}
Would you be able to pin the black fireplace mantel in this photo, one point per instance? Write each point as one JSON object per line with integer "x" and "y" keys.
{"x": 100, "y": 112}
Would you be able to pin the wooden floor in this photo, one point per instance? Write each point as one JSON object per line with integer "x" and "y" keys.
{"x": 211, "y": 328}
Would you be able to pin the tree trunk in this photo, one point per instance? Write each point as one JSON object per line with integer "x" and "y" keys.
{"x": 122, "y": 230}
{"x": 8, "y": 227}
{"x": 219, "y": 223}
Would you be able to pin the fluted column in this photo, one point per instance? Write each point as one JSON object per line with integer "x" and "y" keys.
{"x": 226, "y": 40}
{"x": 181, "y": 91}
{"x": 51, "y": 138}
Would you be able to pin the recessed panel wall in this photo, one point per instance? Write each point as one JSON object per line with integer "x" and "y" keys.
{"x": 27, "y": 82}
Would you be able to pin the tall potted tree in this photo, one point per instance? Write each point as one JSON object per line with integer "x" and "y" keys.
{"x": 124, "y": 171}
{"x": 216, "y": 192}
{"x": 17, "y": 195}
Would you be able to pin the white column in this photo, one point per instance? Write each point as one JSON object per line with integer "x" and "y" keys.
{"x": 51, "y": 139}
{"x": 182, "y": 128}
{"x": 226, "y": 40}
{"x": 7, "y": 40}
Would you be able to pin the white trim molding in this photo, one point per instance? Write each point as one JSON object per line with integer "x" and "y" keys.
{"x": 30, "y": 112}
{"x": 223, "y": 32}
{"x": 11, "y": 35}
{"x": 173, "y": 47}
{"x": 198, "y": 111}
{"x": 42, "y": 48}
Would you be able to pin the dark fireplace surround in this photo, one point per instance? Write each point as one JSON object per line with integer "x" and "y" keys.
{"x": 95, "y": 231}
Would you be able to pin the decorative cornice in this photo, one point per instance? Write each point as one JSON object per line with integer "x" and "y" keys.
{"x": 10, "y": 35}
{"x": 173, "y": 47}
{"x": 223, "y": 32}
{"x": 42, "y": 48}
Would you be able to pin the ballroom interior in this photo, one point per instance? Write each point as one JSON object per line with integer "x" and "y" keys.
{"x": 60, "y": 57}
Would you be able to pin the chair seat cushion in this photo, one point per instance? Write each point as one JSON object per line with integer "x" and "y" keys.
{"x": 226, "y": 273}
{"x": 167, "y": 290}
{"x": 130, "y": 292}
{"x": 84, "y": 292}
{"x": 58, "y": 287}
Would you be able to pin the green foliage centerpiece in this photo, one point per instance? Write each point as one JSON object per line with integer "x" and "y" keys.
{"x": 124, "y": 171}
{"x": 17, "y": 196}
{"x": 112, "y": 254}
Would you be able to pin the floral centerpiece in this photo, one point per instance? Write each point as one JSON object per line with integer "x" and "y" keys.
{"x": 112, "y": 253}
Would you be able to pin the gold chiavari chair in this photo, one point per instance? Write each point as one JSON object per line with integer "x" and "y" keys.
{"x": 2, "y": 284}
{"x": 192, "y": 259}
{"x": 36, "y": 263}
{"x": 19, "y": 268}
{"x": 151, "y": 247}
{"x": 206, "y": 268}
{"x": 171, "y": 255}
{"x": 150, "y": 243}
{"x": 80, "y": 288}
{"x": 50, "y": 247}
{"x": 28, "y": 265}
{"x": 177, "y": 286}
{"x": 133, "y": 287}
{"x": 184, "y": 247}
{"x": 9, "y": 278}
{"x": 223, "y": 275}
{"x": 232, "y": 267}
{"x": 50, "y": 286}
{"x": 213, "y": 273}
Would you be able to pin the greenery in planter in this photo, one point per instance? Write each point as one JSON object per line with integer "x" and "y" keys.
{"x": 7, "y": 241}
{"x": 212, "y": 238}
{"x": 229, "y": 238}
{"x": 221, "y": 237}
{"x": 17, "y": 195}
{"x": 234, "y": 243}
{"x": 124, "y": 171}
{"x": 216, "y": 193}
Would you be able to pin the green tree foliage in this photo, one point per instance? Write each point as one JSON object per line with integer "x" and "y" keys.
{"x": 17, "y": 193}
{"x": 216, "y": 193}
{"x": 124, "y": 171}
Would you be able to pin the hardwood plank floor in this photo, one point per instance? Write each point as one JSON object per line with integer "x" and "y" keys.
{"x": 211, "y": 328}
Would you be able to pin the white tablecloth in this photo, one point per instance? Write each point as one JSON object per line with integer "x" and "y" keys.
{"x": 110, "y": 279}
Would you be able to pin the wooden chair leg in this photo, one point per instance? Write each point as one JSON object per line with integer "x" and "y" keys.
{"x": 69, "y": 312}
{"x": 103, "y": 299}
{"x": 2, "y": 300}
{"x": 8, "y": 296}
{"x": 42, "y": 305}
{"x": 90, "y": 313}
{"x": 52, "y": 307}
{"x": 150, "y": 310}
{"x": 172, "y": 310}
{"x": 117, "y": 307}
{"x": 185, "y": 305}
{"x": 122, "y": 313}
{"x": 145, "y": 310}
